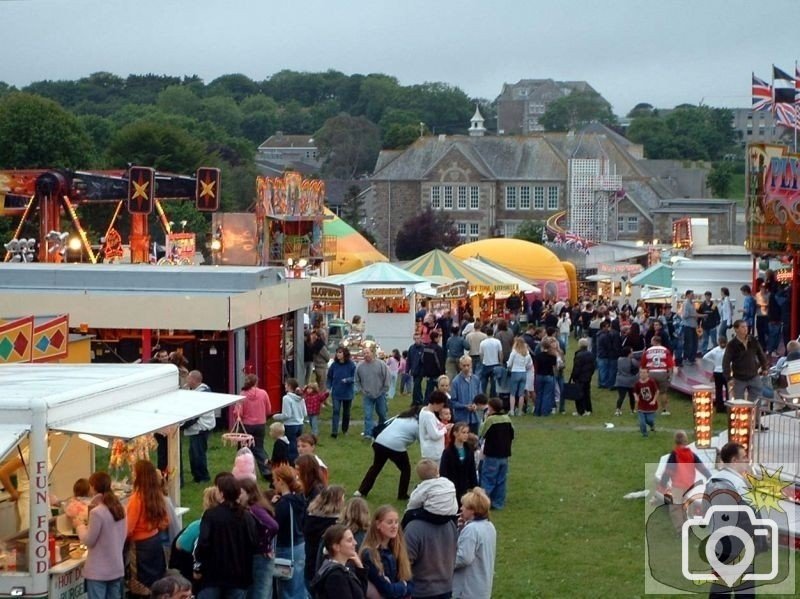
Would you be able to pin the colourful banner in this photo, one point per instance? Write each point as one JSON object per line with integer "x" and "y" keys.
{"x": 16, "y": 338}
{"x": 773, "y": 208}
{"x": 25, "y": 340}
{"x": 51, "y": 339}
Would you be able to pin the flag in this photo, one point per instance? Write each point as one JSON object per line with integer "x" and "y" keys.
{"x": 783, "y": 89}
{"x": 796, "y": 83}
{"x": 786, "y": 115}
{"x": 762, "y": 94}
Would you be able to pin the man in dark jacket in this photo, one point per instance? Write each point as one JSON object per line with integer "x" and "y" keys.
{"x": 608, "y": 350}
{"x": 414, "y": 366}
{"x": 583, "y": 368}
{"x": 743, "y": 363}
{"x": 433, "y": 360}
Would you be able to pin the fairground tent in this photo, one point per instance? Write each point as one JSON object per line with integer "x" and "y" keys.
{"x": 657, "y": 275}
{"x": 441, "y": 267}
{"x": 501, "y": 274}
{"x": 353, "y": 251}
{"x": 532, "y": 262}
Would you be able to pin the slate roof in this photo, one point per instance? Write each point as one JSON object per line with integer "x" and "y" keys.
{"x": 279, "y": 140}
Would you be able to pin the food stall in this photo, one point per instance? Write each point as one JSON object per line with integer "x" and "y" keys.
{"x": 327, "y": 299}
{"x": 382, "y": 294}
{"x": 56, "y": 414}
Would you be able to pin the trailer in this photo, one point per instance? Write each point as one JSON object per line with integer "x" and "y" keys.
{"x": 56, "y": 414}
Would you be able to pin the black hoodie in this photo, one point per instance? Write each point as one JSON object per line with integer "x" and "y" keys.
{"x": 313, "y": 529}
{"x": 341, "y": 582}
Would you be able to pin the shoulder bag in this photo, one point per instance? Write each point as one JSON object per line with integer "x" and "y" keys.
{"x": 284, "y": 568}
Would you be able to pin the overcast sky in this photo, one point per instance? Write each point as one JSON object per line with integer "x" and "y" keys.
{"x": 663, "y": 52}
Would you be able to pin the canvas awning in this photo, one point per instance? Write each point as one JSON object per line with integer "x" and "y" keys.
{"x": 657, "y": 275}
{"x": 147, "y": 416}
{"x": 502, "y": 275}
{"x": 10, "y": 434}
{"x": 439, "y": 265}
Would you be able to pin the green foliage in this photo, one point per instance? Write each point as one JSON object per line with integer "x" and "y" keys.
{"x": 348, "y": 145}
{"x": 424, "y": 232}
{"x": 720, "y": 178}
{"x": 162, "y": 146}
{"x": 687, "y": 133}
{"x": 235, "y": 86}
{"x": 398, "y": 137}
{"x": 531, "y": 230}
{"x": 576, "y": 110}
{"x": 100, "y": 130}
{"x": 37, "y": 132}
{"x": 178, "y": 99}
{"x": 641, "y": 109}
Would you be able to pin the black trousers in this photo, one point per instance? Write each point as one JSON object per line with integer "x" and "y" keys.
{"x": 721, "y": 385}
{"x": 380, "y": 456}
{"x": 584, "y": 404}
{"x": 259, "y": 453}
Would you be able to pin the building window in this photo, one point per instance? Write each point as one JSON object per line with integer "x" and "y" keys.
{"x": 436, "y": 198}
{"x": 448, "y": 197}
{"x": 511, "y": 197}
{"x": 511, "y": 228}
{"x": 462, "y": 197}
{"x": 632, "y": 223}
{"x": 538, "y": 198}
{"x": 462, "y": 230}
{"x": 474, "y": 197}
{"x": 474, "y": 231}
{"x": 525, "y": 197}
{"x": 552, "y": 198}
{"x": 620, "y": 224}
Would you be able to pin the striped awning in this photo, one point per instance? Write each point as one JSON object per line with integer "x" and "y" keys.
{"x": 439, "y": 265}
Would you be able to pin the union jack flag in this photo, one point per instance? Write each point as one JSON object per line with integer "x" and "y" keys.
{"x": 786, "y": 115}
{"x": 762, "y": 94}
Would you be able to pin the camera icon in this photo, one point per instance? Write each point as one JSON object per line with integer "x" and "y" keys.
{"x": 730, "y": 548}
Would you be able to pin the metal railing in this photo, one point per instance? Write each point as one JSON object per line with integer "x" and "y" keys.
{"x": 776, "y": 439}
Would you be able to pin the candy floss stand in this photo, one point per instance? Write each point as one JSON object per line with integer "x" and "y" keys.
{"x": 60, "y": 412}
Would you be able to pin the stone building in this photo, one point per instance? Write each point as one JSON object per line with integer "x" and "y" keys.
{"x": 594, "y": 182}
{"x": 520, "y": 105}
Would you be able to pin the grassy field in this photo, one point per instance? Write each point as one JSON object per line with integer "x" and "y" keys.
{"x": 566, "y": 530}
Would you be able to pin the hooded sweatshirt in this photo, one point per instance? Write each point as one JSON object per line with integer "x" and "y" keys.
{"x": 341, "y": 582}
{"x": 293, "y": 410}
{"x": 314, "y": 527}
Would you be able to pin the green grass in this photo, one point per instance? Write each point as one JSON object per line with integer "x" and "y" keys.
{"x": 566, "y": 530}
{"x": 736, "y": 191}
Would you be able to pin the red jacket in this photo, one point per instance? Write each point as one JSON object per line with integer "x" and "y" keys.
{"x": 314, "y": 402}
{"x": 657, "y": 358}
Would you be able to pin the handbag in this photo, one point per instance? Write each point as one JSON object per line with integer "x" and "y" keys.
{"x": 572, "y": 391}
{"x": 284, "y": 567}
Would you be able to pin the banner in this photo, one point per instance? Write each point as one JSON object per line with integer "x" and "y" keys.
{"x": 51, "y": 339}
{"x": 384, "y": 292}
{"x": 773, "y": 208}
{"x": 16, "y": 338}
{"x": 327, "y": 292}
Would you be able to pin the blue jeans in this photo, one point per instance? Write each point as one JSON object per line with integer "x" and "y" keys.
{"x": 646, "y": 419}
{"x": 198, "y": 446}
{"x": 392, "y": 385}
{"x": 689, "y": 335}
{"x": 343, "y": 406}
{"x": 377, "y": 404}
{"x": 773, "y": 336}
{"x": 563, "y": 338}
{"x": 516, "y": 384}
{"x": 722, "y": 330}
{"x": 494, "y": 473}
{"x": 604, "y": 373}
{"x": 292, "y": 432}
{"x": 296, "y": 587}
{"x": 545, "y": 388}
{"x": 220, "y": 593}
{"x": 104, "y": 589}
{"x": 313, "y": 421}
{"x": 709, "y": 340}
{"x": 262, "y": 578}
{"x": 495, "y": 373}
{"x": 430, "y": 387}
{"x": 476, "y": 365}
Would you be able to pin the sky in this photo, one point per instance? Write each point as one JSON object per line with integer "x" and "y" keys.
{"x": 665, "y": 53}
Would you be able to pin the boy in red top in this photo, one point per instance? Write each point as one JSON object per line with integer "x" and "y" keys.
{"x": 659, "y": 361}
{"x": 645, "y": 391}
{"x": 680, "y": 471}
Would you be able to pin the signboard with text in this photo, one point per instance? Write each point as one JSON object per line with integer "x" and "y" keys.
{"x": 384, "y": 292}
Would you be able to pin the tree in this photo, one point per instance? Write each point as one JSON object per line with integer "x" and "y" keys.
{"x": 236, "y": 86}
{"x": 160, "y": 145}
{"x": 575, "y": 110}
{"x": 720, "y": 178}
{"x": 348, "y": 146}
{"x": 424, "y": 232}
{"x": 37, "y": 133}
{"x": 531, "y": 230}
{"x": 641, "y": 109}
{"x": 352, "y": 210}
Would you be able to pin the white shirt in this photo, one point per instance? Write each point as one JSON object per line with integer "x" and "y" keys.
{"x": 437, "y": 495}
{"x": 399, "y": 434}
{"x": 491, "y": 352}
{"x": 519, "y": 362}
{"x": 715, "y": 357}
{"x": 726, "y": 311}
{"x": 431, "y": 436}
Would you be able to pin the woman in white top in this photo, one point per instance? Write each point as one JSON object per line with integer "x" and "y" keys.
{"x": 431, "y": 433}
{"x": 392, "y": 443}
{"x": 519, "y": 363}
{"x": 564, "y": 326}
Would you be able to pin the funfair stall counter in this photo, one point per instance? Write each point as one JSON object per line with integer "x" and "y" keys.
{"x": 54, "y": 415}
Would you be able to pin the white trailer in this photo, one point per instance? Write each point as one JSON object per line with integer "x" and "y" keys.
{"x": 61, "y": 410}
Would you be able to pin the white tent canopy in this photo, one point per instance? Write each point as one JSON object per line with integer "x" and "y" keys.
{"x": 502, "y": 275}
